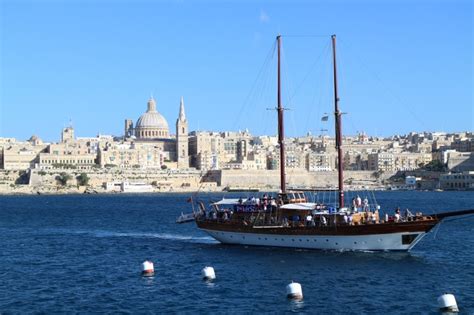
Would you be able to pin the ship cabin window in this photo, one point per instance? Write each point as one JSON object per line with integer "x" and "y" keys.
{"x": 408, "y": 239}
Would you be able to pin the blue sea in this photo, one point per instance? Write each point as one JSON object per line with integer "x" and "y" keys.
{"x": 83, "y": 254}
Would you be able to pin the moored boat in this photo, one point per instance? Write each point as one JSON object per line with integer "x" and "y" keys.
{"x": 183, "y": 218}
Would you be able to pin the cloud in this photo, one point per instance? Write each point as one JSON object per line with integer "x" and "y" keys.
{"x": 264, "y": 18}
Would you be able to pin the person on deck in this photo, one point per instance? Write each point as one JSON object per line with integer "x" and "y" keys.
{"x": 324, "y": 222}
{"x": 377, "y": 214}
{"x": 397, "y": 216}
{"x": 358, "y": 202}
{"x": 366, "y": 204}
{"x": 273, "y": 204}
{"x": 296, "y": 220}
{"x": 374, "y": 218}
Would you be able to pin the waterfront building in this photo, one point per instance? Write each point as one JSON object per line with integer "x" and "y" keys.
{"x": 67, "y": 161}
{"x": 457, "y": 181}
{"x": 320, "y": 162}
{"x": 407, "y": 161}
{"x": 130, "y": 155}
{"x": 381, "y": 161}
{"x": 400, "y": 161}
{"x": 21, "y": 155}
{"x": 256, "y": 160}
{"x": 68, "y": 154}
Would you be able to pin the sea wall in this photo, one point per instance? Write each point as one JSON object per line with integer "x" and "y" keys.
{"x": 296, "y": 178}
{"x": 46, "y": 181}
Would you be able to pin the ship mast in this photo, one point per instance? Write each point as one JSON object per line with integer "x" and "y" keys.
{"x": 337, "y": 115}
{"x": 281, "y": 134}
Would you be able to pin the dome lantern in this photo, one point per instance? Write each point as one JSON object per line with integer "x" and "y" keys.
{"x": 151, "y": 105}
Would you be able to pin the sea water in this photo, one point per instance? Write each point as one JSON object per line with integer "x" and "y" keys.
{"x": 83, "y": 253}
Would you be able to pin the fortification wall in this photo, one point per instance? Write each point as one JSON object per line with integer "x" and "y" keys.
{"x": 295, "y": 178}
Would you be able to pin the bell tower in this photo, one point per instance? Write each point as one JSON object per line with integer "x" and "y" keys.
{"x": 182, "y": 156}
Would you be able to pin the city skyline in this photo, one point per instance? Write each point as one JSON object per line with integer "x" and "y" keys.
{"x": 97, "y": 63}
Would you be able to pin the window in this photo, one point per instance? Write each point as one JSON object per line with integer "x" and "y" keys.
{"x": 409, "y": 238}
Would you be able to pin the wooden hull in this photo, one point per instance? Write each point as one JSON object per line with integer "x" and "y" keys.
{"x": 369, "y": 237}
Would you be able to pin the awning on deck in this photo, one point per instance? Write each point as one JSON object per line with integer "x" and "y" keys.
{"x": 299, "y": 206}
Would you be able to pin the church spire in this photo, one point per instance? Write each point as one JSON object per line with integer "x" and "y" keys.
{"x": 182, "y": 115}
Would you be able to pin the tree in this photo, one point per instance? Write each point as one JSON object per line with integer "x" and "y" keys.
{"x": 23, "y": 178}
{"x": 83, "y": 179}
{"x": 377, "y": 174}
{"x": 63, "y": 178}
{"x": 435, "y": 166}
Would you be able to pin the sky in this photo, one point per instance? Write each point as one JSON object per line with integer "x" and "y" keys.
{"x": 402, "y": 65}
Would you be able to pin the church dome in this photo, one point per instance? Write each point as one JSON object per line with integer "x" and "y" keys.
{"x": 152, "y": 120}
{"x": 151, "y": 124}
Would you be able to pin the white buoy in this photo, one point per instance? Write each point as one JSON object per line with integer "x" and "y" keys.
{"x": 294, "y": 291}
{"x": 447, "y": 303}
{"x": 208, "y": 273}
{"x": 147, "y": 269}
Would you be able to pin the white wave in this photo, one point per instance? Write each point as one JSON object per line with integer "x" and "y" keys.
{"x": 163, "y": 236}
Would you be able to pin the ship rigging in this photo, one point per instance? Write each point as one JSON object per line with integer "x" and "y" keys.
{"x": 290, "y": 220}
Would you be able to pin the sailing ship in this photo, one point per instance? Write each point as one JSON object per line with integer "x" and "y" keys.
{"x": 290, "y": 220}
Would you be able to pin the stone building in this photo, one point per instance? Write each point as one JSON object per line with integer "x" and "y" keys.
{"x": 224, "y": 150}
{"x": 20, "y": 155}
{"x": 130, "y": 155}
{"x": 204, "y": 149}
{"x": 320, "y": 162}
{"x": 151, "y": 133}
{"x": 460, "y": 161}
{"x": 457, "y": 181}
{"x": 76, "y": 155}
{"x": 67, "y": 135}
{"x": 401, "y": 161}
